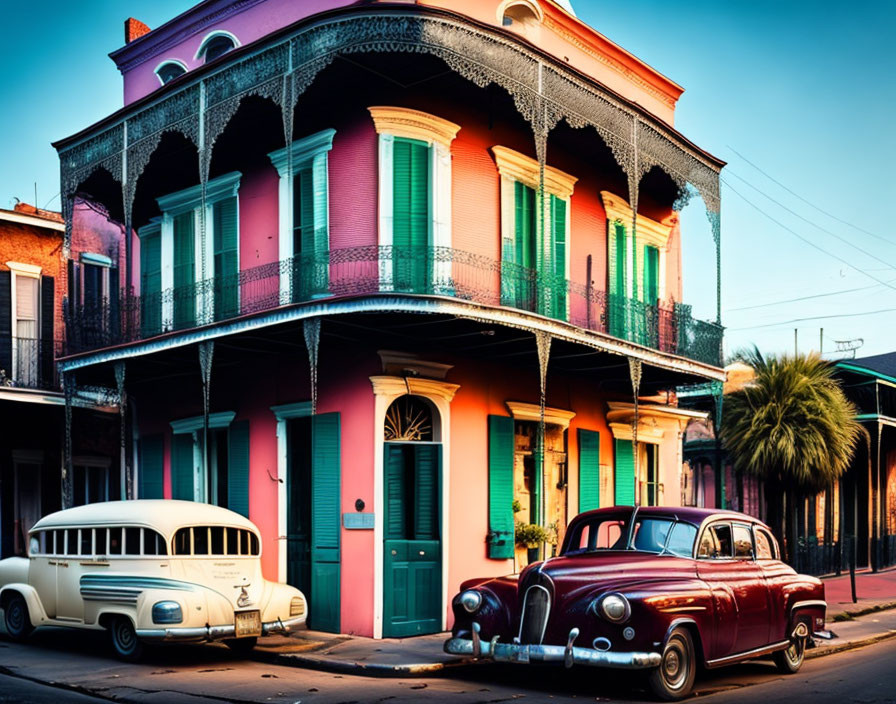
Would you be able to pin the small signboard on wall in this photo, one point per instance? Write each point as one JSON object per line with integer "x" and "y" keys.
{"x": 357, "y": 521}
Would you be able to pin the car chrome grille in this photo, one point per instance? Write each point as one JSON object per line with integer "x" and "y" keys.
{"x": 535, "y": 613}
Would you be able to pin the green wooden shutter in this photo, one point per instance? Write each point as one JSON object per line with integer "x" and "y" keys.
{"x": 410, "y": 214}
{"x": 625, "y": 473}
{"x": 182, "y": 466}
{"x": 150, "y": 284}
{"x": 396, "y": 504}
{"x": 238, "y": 467}
{"x": 325, "y": 522}
{"x": 303, "y": 240}
{"x": 184, "y": 271}
{"x": 618, "y": 277}
{"x": 226, "y": 264}
{"x": 426, "y": 489}
{"x": 651, "y": 275}
{"x": 500, "y": 487}
{"x": 557, "y": 295}
{"x": 151, "y": 467}
{"x": 589, "y": 469}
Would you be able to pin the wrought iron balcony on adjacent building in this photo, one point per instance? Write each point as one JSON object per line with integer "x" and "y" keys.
{"x": 358, "y": 271}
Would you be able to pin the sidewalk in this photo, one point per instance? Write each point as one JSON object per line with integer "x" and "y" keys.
{"x": 871, "y": 619}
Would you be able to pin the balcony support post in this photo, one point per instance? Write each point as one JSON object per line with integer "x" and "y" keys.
{"x": 68, "y": 388}
{"x": 543, "y": 343}
{"x": 206, "y": 352}
{"x": 311, "y": 332}
{"x": 634, "y": 370}
{"x": 127, "y": 481}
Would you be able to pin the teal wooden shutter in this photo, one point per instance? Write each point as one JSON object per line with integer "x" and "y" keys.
{"x": 325, "y": 522}
{"x": 227, "y": 290}
{"x": 625, "y": 473}
{"x": 151, "y": 284}
{"x": 500, "y": 487}
{"x": 151, "y": 467}
{"x": 617, "y": 281}
{"x": 303, "y": 235}
{"x": 557, "y": 295}
{"x": 426, "y": 489}
{"x": 184, "y": 271}
{"x": 651, "y": 275}
{"x": 182, "y": 466}
{"x": 395, "y": 527}
{"x": 238, "y": 467}
{"x": 410, "y": 215}
{"x": 589, "y": 470}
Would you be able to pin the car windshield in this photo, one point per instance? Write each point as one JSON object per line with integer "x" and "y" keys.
{"x": 656, "y": 534}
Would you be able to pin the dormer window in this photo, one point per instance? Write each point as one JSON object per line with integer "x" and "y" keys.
{"x": 169, "y": 70}
{"x": 216, "y": 44}
{"x": 520, "y": 14}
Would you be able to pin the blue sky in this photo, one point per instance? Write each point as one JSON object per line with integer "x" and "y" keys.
{"x": 803, "y": 91}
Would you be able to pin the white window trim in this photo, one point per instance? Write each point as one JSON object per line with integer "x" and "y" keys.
{"x": 166, "y": 62}
{"x": 190, "y": 199}
{"x": 438, "y": 133}
{"x": 307, "y": 152}
{"x": 28, "y": 271}
{"x": 200, "y": 52}
{"x": 191, "y": 425}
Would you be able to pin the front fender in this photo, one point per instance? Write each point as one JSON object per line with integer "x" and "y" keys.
{"x": 36, "y": 612}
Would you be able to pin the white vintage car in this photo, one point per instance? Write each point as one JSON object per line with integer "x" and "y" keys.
{"x": 147, "y": 571}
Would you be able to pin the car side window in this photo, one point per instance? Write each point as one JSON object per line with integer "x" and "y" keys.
{"x": 71, "y": 542}
{"x": 743, "y": 542}
{"x": 707, "y": 547}
{"x": 100, "y": 536}
{"x": 86, "y": 541}
{"x": 764, "y": 545}
{"x": 722, "y": 533}
{"x": 115, "y": 541}
{"x": 681, "y": 539}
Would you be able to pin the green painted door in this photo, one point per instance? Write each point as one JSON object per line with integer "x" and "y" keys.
{"x": 298, "y": 507}
{"x": 412, "y": 547}
{"x": 410, "y": 215}
{"x": 184, "y": 271}
{"x": 556, "y": 293}
{"x": 520, "y": 258}
{"x": 589, "y": 469}
{"x": 325, "y": 523}
{"x": 226, "y": 263}
{"x": 152, "y": 451}
{"x": 625, "y": 473}
{"x": 151, "y": 284}
{"x": 617, "y": 277}
{"x": 302, "y": 235}
{"x": 651, "y": 296}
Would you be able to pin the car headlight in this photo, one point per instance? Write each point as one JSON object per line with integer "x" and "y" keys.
{"x": 297, "y": 606}
{"x": 614, "y": 608}
{"x": 167, "y": 612}
{"x": 471, "y": 601}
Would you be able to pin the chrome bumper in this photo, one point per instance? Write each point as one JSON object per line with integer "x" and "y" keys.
{"x": 214, "y": 632}
{"x": 569, "y": 655}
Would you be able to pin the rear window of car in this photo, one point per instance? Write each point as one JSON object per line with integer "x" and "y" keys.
{"x": 716, "y": 543}
{"x": 215, "y": 540}
{"x": 765, "y": 549}
{"x": 743, "y": 542}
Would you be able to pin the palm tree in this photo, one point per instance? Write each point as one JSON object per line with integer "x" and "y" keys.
{"x": 792, "y": 427}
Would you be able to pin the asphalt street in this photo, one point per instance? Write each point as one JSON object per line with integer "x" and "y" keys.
{"x": 80, "y": 667}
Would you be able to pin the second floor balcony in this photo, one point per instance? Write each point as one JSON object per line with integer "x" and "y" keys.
{"x": 32, "y": 364}
{"x": 383, "y": 270}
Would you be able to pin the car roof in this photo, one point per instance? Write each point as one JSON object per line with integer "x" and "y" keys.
{"x": 164, "y": 515}
{"x": 691, "y": 514}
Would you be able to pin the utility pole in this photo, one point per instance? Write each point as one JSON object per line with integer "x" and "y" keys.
{"x": 795, "y": 346}
{"x": 820, "y": 341}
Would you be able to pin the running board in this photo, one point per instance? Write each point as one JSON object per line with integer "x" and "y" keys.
{"x": 755, "y": 653}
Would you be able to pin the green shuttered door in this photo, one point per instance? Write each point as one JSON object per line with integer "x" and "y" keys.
{"x": 625, "y": 473}
{"x": 226, "y": 242}
{"x": 184, "y": 271}
{"x": 238, "y": 468}
{"x": 589, "y": 470}
{"x": 151, "y": 448}
{"x": 325, "y": 522}
{"x": 410, "y": 223}
{"x": 151, "y": 284}
{"x": 500, "y": 487}
{"x": 182, "y": 467}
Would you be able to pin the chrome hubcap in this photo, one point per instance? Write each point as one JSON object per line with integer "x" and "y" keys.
{"x": 16, "y": 617}
{"x": 674, "y": 668}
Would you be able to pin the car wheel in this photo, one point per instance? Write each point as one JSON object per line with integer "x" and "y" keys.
{"x": 789, "y": 661}
{"x": 17, "y": 620}
{"x": 241, "y": 646}
{"x": 124, "y": 639}
{"x": 674, "y": 678}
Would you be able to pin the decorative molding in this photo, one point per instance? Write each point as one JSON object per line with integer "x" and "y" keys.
{"x": 20, "y": 269}
{"x": 398, "y": 386}
{"x": 524, "y": 169}
{"x": 215, "y": 420}
{"x": 669, "y": 417}
{"x": 302, "y": 151}
{"x": 649, "y": 231}
{"x": 413, "y": 124}
{"x": 649, "y": 433}
{"x": 24, "y": 219}
{"x": 532, "y": 411}
{"x": 95, "y": 259}
{"x": 225, "y": 186}
{"x": 287, "y": 411}
{"x": 399, "y": 363}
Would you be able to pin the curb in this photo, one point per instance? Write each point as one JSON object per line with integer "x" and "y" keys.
{"x": 850, "y": 615}
{"x": 821, "y": 651}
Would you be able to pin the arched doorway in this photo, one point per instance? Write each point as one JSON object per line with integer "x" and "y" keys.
{"x": 412, "y": 521}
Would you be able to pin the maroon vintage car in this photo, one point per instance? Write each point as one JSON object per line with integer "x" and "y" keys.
{"x": 660, "y": 589}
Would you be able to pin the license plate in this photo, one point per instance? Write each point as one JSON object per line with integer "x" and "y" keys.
{"x": 247, "y": 623}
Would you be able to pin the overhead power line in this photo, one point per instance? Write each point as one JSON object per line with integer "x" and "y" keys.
{"x": 817, "y": 317}
{"x": 806, "y": 298}
{"x": 809, "y": 203}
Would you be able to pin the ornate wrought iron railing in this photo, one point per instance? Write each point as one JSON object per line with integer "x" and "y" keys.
{"x": 33, "y": 364}
{"x": 427, "y": 271}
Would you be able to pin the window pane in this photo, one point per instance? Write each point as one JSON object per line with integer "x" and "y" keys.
{"x": 743, "y": 543}
{"x": 254, "y": 540}
{"x": 764, "y": 550}
{"x": 681, "y": 541}
{"x": 244, "y": 542}
{"x": 71, "y": 545}
{"x": 723, "y": 540}
{"x": 182, "y": 542}
{"x": 200, "y": 540}
{"x": 115, "y": 541}
{"x": 233, "y": 544}
{"x": 132, "y": 541}
{"x": 150, "y": 542}
{"x": 101, "y": 534}
{"x": 86, "y": 541}
{"x": 217, "y": 540}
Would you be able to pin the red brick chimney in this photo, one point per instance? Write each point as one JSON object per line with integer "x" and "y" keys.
{"x": 133, "y": 29}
